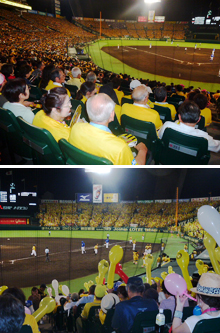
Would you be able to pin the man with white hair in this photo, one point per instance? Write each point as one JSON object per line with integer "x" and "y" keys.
{"x": 140, "y": 110}
{"x": 97, "y": 139}
{"x": 77, "y": 79}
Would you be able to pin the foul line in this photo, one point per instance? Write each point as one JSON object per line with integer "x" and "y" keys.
{"x": 163, "y": 56}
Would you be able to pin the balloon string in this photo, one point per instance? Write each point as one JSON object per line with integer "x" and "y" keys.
{"x": 194, "y": 299}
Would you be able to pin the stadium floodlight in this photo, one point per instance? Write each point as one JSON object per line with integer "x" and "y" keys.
{"x": 15, "y": 4}
{"x": 99, "y": 169}
{"x": 151, "y": 1}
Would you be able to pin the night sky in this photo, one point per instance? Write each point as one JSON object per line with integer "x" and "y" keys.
{"x": 173, "y": 10}
{"x": 132, "y": 184}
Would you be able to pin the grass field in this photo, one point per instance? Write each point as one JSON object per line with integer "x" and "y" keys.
{"x": 113, "y": 64}
{"x": 72, "y": 239}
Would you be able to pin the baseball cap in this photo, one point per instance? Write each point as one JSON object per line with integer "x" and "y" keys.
{"x": 43, "y": 285}
{"x": 100, "y": 291}
{"x": 134, "y": 84}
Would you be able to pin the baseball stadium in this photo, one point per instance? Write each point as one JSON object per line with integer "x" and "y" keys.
{"x": 63, "y": 225}
{"x": 141, "y": 53}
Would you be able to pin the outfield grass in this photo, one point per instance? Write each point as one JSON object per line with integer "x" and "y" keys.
{"x": 174, "y": 243}
{"x": 112, "y": 64}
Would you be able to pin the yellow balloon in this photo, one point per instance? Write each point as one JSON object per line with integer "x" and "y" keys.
{"x": 103, "y": 267}
{"x": 115, "y": 256}
{"x": 182, "y": 259}
{"x": 47, "y": 305}
{"x": 60, "y": 288}
{"x": 158, "y": 279}
{"x": 148, "y": 263}
{"x": 3, "y": 288}
{"x": 210, "y": 245}
{"x": 163, "y": 275}
{"x": 170, "y": 270}
{"x": 199, "y": 266}
{"x": 86, "y": 286}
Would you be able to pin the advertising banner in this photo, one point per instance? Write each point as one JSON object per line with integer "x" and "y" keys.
{"x": 84, "y": 197}
{"x": 13, "y": 221}
{"x": 142, "y": 19}
{"x": 151, "y": 16}
{"x": 110, "y": 197}
{"x": 199, "y": 199}
{"x": 160, "y": 19}
{"x": 214, "y": 198}
{"x": 97, "y": 193}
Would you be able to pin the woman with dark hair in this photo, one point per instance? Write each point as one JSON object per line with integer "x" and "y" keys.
{"x": 56, "y": 107}
{"x": 86, "y": 91}
{"x": 122, "y": 293}
{"x": 208, "y": 298}
{"x": 8, "y": 71}
{"x": 24, "y": 72}
{"x": 46, "y": 75}
{"x": 202, "y": 101}
{"x": 16, "y": 92}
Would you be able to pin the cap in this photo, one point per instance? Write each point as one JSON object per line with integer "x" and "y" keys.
{"x": 43, "y": 285}
{"x": 134, "y": 84}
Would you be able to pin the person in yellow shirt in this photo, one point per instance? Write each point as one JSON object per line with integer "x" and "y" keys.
{"x": 57, "y": 77}
{"x": 33, "y": 251}
{"x": 140, "y": 110}
{"x": 77, "y": 80}
{"x": 160, "y": 95}
{"x": 179, "y": 90}
{"x": 96, "y": 249}
{"x": 56, "y": 107}
{"x": 135, "y": 257}
{"x": 86, "y": 91}
{"x": 108, "y": 302}
{"x": 116, "y": 86}
{"x": 202, "y": 101}
{"x": 97, "y": 139}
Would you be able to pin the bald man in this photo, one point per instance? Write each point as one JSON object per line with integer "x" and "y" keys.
{"x": 97, "y": 139}
{"x": 140, "y": 110}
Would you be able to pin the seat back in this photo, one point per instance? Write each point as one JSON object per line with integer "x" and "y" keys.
{"x": 35, "y": 93}
{"x": 26, "y": 329}
{"x": 75, "y": 103}
{"x": 145, "y": 321}
{"x": 93, "y": 324}
{"x": 107, "y": 326}
{"x": 178, "y": 98}
{"x": 126, "y": 100}
{"x": 13, "y": 135}
{"x": 165, "y": 113}
{"x": 143, "y": 130}
{"x": 72, "y": 89}
{"x": 207, "y": 326}
{"x": 45, "y": 148}
{"x": 179, "y": 148}
{"x": 75, "y": 156}
{"x": 187, "y": 312}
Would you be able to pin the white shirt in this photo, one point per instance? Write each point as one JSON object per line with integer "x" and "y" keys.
{"x": 47, "y": 251}
{"x": 20, "y": 110}
{"x": 193, "y": 320}
{"x": 213, "y": 145}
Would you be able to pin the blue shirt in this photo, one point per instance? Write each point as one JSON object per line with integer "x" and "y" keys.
{"x": 85, "y": 299}
{"x": 126, "y": 311}
{"x": 107, "y": 240}
{"x": 102, "y": 127}
{"x": 83, "y": 244}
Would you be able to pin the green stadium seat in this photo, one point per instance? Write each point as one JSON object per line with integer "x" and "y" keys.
{"x": 178, "y": 98}
{"x": 75, "y": 156}
{"x": 182, "y": 149}
{"x": 200, "y": 125}
{"x": 45, "y": 148}
{"x": 75, "y": 103}
{"x": 126, "y": 100}
{"x": 144, "y": 131}
{"x": 145, "y": 321}
{"x": 207, "y": 326}
{"x": 13, "y": 135}
{"x": 187, "y": 312}
{"x": 72, "y": 89}
{"x": 26, "y": 329}
{"x": 93, "y": 324}
{"x": 35, "y": 93}
{"x": 165, "y": 113}
{"x": 171, "y": 101}
{"x": 107, "y": 326}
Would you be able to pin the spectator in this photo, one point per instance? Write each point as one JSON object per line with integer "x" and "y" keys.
{"x": 77, "y": 79}
{"x": 86, "y": 299}
{"x": 101, "y": 141}
{"x": 122, "y": 293}
{"x": 160, "y": 95}
{"x": 37, "y": 73}
{"x": 56, "y": 107}
{"x": 189, "y": 116}
{"x": 57, "y": 78}
{"x": 25, "y": 73}
{"x": 46, "y": 75}
{"x": 3, "y": 100}
{"x": 35, "y": 298}
{"x": 86, "y": 91}
{"x": 8, "y": 71}
{"x": 16, "y": 92}
{"x": 151, "y": 293}
{"x": 11, "y": 313}
{"x": 208, "y": 298}
{"x": 125, "y": 312}
{"x": 108, "y": 302}
{"x": 71, "y": 302}
{"x": 202, "y": 102}
{"x": 41, "y": 290}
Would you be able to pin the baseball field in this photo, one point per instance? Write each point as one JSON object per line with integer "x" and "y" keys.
{"x": 178, "y": 62}
{"x": 67, "y": 264}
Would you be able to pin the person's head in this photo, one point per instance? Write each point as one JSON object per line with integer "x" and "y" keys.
{"x": 191, "y": 95}
{"x": 17, "y": 293}
{"x": 100, "y": 108}
{"x": 201, "y": 100}
{"x": 74, "y": 297}
{"x": 160, "y": 94}
{"x": 16, "y": 90}
{"x": 151, "y": 293}
{"x": 208, "y": 290}
{"x": 134, "y": 84}
{"x": 135, "y": 286}
{"x": 57, "y": 75}
{"x": 91, "y": 77}
{"x": 88, "y": 89}
{"x": 12, "y": 314}
{"x": 25, "y": 71}
{"x": 189, "y": 112}
{"x": 7, "y": 70}
{"x": 116, "y": 82}
{"x": 76, "y": 72}
{"x": 40, "y": 65}
{"x": 122, "y": 292}
{"x": 140, "y": 94}
{"x": 2, "y": 81}
{"x": 108, "y": 90}
{"x": 43, "y": 285}
{"x": 81, "y": 291}
{"x": 46, "y": 74}
{"x": 34, "y": 291}
{"x": 92, "y": 290}
{"x": 179, "y": 87}
{"x": 56, "y": 103}
{"x": 109, "y": 301}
